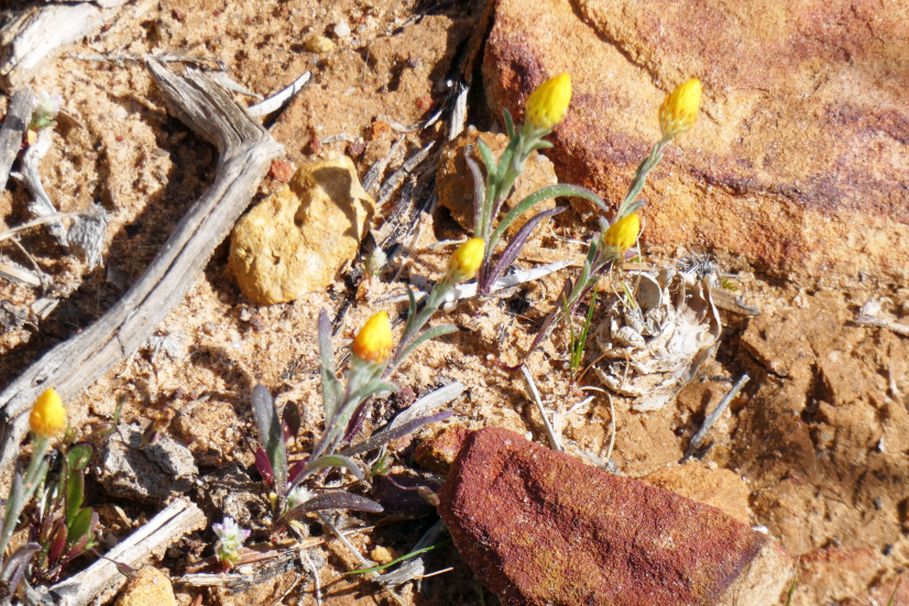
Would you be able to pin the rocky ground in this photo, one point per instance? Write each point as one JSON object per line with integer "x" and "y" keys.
{"x": 794, "y": 181}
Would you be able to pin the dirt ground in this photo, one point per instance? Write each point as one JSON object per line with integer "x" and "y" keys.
{"x": 820, "y": 434}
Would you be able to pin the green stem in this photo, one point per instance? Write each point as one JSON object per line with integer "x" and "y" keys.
{"x": 37, "y": 468}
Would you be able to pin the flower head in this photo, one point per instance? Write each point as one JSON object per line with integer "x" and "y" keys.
{"x": 230, "y": 541}
{"x": 680, "y": 108}
{"x": 622, "y": 234}
{"x": 46, "y": 110}
{"x": 373, "y": 342}
{"x": 465, "y": 262}
{"x": 48, "y": 416}
{"x": 548, "y": 104}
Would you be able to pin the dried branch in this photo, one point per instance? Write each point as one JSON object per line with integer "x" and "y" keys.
{"x": 245, "y": 153}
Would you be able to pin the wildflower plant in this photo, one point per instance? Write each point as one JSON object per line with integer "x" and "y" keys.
{"x": 677, "y": 114}
{"x": 62, "y": 528}
{"x": 230, "y": 541}
{"x": 374, "y": 356}
{"x": 545, "y": 109}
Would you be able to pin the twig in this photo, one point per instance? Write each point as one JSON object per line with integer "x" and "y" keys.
{"x": 245, "y": 153}
{"x": 102, "y": 579}
{"x": 15, "y": 124}
{"x": 554, "y": 442}
{"x": 284, "y": 95}
{"x": 870, "y": 315}
{"x": 41, "y": 205}
{"x": 713, "y": 416}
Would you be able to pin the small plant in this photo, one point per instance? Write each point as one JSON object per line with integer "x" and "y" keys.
{"x": 47, "y": 421}
{"x": 578, "y": 340}
{"x": 677, "y": 114}
{"x": 546, "y": 107}
{"x": 230, "y": 542}
{"x": 374, "y": 358}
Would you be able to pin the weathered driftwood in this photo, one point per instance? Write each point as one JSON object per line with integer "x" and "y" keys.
{"x": 102, "y": 580}
{"x": 245, "y": 153}
{"x": 14, "y": 126}
{"x": 36, "y": 33}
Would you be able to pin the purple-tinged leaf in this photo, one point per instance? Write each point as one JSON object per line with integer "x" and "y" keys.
{"x": 17, "y": 564}
{"x": 511, "y": 252}
{"x": 290, "y": 421}
{"x": 383, "y": 437}
{"x": 271, "y": 435}
{"x": 296, "y": 472}
{"x": 264, "y": 467}
{"x": 57, "y": 545}
{"x": 338, "y": 500}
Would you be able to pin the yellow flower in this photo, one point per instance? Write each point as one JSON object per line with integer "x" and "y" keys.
{"x": 680, "y": 108}
{"x": 548, "y": 104}
{"x": 373, "y": 342}
{"x": 48, "y": 416}
{"x": 465, "y": 262}
{"x": 622, "y": 234}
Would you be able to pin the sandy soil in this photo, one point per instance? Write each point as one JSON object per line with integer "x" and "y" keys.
{"x": 820, "y": 434}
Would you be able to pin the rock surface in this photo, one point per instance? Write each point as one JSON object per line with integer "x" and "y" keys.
{"x": 150, "y": 587}
{"x": 149, "y": 473}
{"x": 799, "y": 164}
{"x": 721, "y": 488}
{"x": 540, "y": 527}
{"x": 296, "y": 240}
{"x": 454, "y": 184}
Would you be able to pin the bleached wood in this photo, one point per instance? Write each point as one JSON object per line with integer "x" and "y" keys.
{"x": 14, "y": 126}
{"x": 102, "y": 580}
{"x": 246, "y": 150}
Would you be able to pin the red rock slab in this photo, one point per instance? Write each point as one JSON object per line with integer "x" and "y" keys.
{"x": 540, "y": 527}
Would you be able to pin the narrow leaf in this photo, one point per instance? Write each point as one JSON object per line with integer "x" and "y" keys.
{"x": 340, "y": 500}
{"x": 559, "y": 190}
{"x": 479, "y": 189}
{"x": 514, "y": 247}
{"x": 393, "y": 433}
{"x": 509, "y": 123}
{"x": 263, "y": 466}
{"x": 271, "y": 435}
{"x": 373, "y": 387}
{"x": 57, "y": 545}
{"x": 336, "y": 460}
{"x": 426, "y": 335}
{"x": 18, "y": 562}
{"x": 487, "y": 157}
{"x": 330, "y": 387}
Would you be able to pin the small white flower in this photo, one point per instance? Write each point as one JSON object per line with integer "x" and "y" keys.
{"x": 230, "y": 540}
{"x": 49, "y": 104}
{"x": 297, "y": 497}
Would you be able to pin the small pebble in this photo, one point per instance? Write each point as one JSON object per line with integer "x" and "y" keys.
{"x": 319, "y": 44}
{"x": 341, "y": 29}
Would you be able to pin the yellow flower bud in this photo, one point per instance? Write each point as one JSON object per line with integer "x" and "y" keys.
{"x": 373, "y": 342}
{"x": 680, "y": 108}
{"x": 48, "y": 416}
{"x": 622, "y": 234}
{"x": 465, "y": 262}
{"x": 548, "y": 104}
